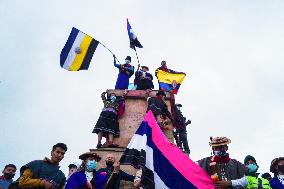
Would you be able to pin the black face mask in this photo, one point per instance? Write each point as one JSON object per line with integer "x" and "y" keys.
{"x": 109, "y": 163}
{"x": 281, "y": 168}
{"x": 9, "y": 176}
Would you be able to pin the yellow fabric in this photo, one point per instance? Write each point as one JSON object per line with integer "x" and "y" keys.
{"x": 80, "y": 57}
{"x": 169, "y": 78}
{"x": 26, "y": 180}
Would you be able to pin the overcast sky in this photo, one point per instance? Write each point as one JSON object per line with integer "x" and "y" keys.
{"x": 232, "y": 52}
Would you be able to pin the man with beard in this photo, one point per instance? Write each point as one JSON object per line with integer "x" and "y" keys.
{"x": 44, "y": 173}
{"x": 7, "y": 178}
{"x": 220, "y": 166}
{"x": 113, "y": 167}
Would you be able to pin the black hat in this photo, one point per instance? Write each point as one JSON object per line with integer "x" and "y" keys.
{"x": 128, "y": 58}
{"x": 178, "y": 105}
{"x": 86, "y": 155}
{"x": 163, "y": 62}
{"x": 145, "y": 67}
{"x": 161, "y": 93}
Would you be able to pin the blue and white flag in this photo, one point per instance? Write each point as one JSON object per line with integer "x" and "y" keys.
{"x": 132, "y": 38}
{"x": 163, "y": 164}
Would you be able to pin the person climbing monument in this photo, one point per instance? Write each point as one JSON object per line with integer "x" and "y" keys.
{"x": 143, "y": 79}
{"x": 126, "y": 70}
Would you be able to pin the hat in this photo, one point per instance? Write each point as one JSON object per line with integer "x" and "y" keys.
{"x": 145, "y": 67}
{"x": 248, "y": 158}
{"x": 128, "y": 58}
{"x": 274, "y": 163}
{"x": 161, "y": 93}
{"x": 163, "y": 62}
{"x": 86, "y": 155}
{"x": 219, "y": 141}
{"x": 178, "y": 105}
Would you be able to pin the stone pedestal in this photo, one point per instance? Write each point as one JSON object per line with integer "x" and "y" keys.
{"x": 135, "y": 110}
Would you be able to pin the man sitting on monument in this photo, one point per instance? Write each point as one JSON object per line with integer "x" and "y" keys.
{"x": 160, "y": 111}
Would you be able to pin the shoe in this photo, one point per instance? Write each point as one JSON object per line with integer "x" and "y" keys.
{"x": 99, "y": 145}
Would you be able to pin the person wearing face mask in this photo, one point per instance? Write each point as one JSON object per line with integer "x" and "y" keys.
{"x": 107, "y": 125}
{"x": 8, "y": 174}
{"x": 277, "y": 167}
{"x": 126, "y": 70}
{"x": 143, "y": 79}
{"x": 87, "y": 177}
{"x": 220, "y": 166}
{"x": 250, "y": 181}
{"x": 114, "y": 173}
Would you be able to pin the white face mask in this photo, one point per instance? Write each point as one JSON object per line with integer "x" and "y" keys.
{"x": 127, "y": 61}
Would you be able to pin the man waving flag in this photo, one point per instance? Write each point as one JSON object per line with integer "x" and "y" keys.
{"x": 132, "y": 38}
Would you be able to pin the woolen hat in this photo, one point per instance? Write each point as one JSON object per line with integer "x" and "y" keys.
{"x": 219, "y": 141}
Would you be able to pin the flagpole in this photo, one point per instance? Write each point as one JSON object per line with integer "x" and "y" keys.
{"x": 111, "y": 51}
{"x": 137, "y": 58}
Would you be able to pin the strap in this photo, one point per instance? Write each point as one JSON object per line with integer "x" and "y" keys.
{"x": 259, "y": 183}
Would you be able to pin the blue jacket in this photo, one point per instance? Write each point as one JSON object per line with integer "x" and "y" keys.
{"x": 78, "y": 180}
{"x": 276, "y": 184}
{"x": 125, "y": 73}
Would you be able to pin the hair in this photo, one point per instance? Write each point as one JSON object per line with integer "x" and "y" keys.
{"x": 60, "y": 145}
{"x": 10, "y": 165}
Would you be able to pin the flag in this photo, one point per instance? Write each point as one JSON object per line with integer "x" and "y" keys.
{"x": 163, "y": 164}
{"x": 132, "y": 38}
{"x": 78, "y": 51}
{"x": 170, "y": 80}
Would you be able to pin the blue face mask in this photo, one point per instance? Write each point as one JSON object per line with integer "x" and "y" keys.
{"x": 252, "y": 168}
{"x": 91, "y": 165}
{"x": 113, "y": 98}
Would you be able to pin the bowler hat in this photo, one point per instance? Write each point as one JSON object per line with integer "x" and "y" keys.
{"x": 86, "y": 155}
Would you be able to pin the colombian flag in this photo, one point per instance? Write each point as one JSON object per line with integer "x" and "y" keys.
{"x": 170, "y": 80}
{"x": 78, "y": 51}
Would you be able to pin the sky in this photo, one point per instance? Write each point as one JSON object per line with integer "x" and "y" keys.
{"x": 232, "y": 52}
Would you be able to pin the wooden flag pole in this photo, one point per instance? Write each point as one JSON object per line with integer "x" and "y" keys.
{"x": 109, "y": 50}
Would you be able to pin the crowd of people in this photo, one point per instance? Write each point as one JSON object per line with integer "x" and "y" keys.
{"x": 225, "y": 171}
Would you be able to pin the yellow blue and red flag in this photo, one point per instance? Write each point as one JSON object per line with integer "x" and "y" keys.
{"x": 170, "y": 80}
{"x": 78, "y": 51}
